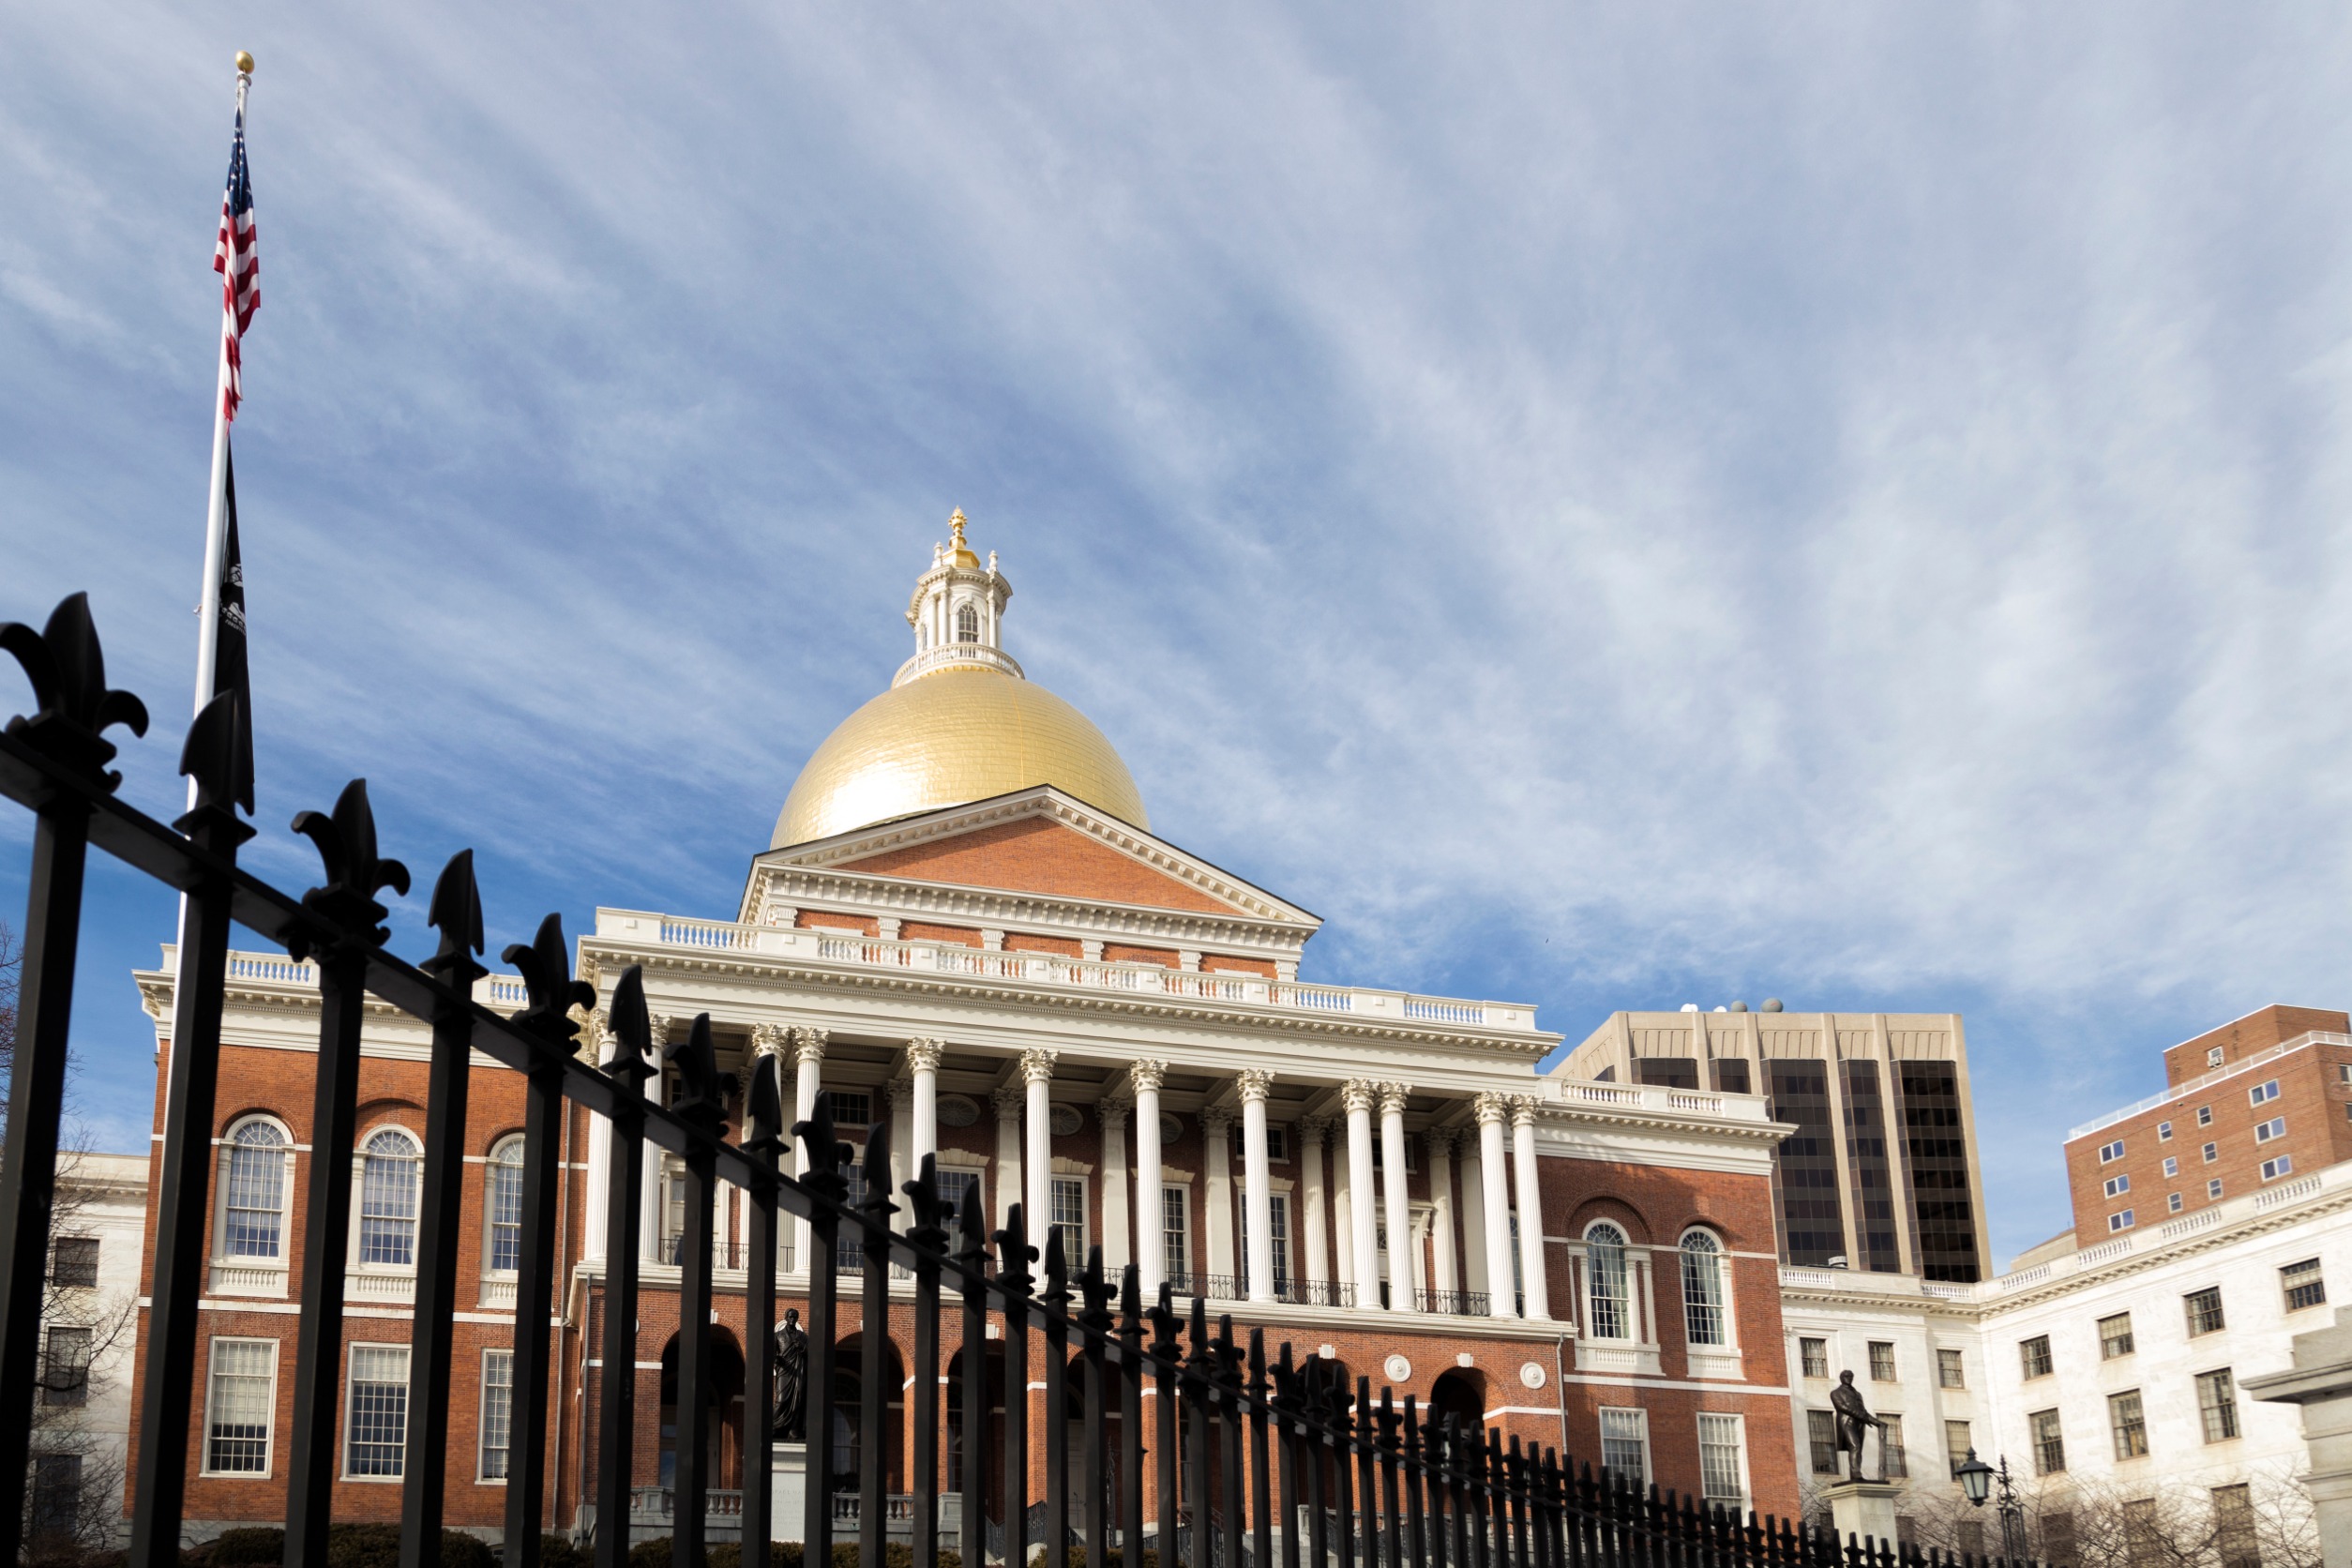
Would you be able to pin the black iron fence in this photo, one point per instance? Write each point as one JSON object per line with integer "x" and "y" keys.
{"x": 1281, "y": 1462}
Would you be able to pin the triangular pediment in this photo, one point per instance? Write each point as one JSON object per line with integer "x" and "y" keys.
{"x": 1043, "y": 843}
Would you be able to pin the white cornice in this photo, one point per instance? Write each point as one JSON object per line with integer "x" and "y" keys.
{"x": 1046, "y": 803}
{"x": 871, "y": 893}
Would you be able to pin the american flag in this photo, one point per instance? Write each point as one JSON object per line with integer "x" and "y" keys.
{"x": 240, "y": 268}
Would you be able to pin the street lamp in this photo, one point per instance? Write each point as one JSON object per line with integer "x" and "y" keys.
{"x": 1976, "y": 1480}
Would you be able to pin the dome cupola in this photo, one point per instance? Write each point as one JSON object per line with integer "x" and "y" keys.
{"x": 960, "y": 722}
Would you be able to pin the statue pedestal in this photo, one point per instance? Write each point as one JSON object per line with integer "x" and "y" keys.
{"x": 788, "y": 1491}
{"x": 1862, "y": 1508}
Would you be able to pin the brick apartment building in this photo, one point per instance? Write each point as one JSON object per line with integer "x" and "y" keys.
{"x": 965, "y": 926}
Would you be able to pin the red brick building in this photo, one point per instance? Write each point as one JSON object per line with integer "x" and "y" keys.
{"x": 965, "y": 927}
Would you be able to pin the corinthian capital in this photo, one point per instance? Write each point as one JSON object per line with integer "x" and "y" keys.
{"x": 1216, "y": 1123}
{"x": 1491, "y": 1107}
{"x": 1523, "y": 1111}
{"x": 923, "y": 1054}
{"x": 1360, "y": 1095}
{"x": 1010, "y": 1101}
{"x": 768, "y": 1039}
{"x": 808, "y": 1046}
{"x": 1146, "y": 1075}
{"x": 1440, "y": 1142}
{"x": 1255, "y": 1084}
{"x": 1038, "y": 1065}
{"x": 1392, "y": 1098}
{"x": 1111, "y": 1111}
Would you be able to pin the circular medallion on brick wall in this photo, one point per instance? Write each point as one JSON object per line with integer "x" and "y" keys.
{"x": 958, "y": 1110}
{"x": 1399, "y": 1370}
{"x": 1066, "y": 1120}
{"x": 1531, "y": 1374}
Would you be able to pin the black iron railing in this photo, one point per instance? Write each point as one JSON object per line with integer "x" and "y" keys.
{"x": 1464, "y": 1303}
{"x": 1378, "y": 1486}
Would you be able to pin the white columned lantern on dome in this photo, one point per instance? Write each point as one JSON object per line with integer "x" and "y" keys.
{"x": 956, "y": 610}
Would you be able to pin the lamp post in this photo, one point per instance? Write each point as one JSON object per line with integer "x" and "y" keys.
{"x": 1977, "y": 1480}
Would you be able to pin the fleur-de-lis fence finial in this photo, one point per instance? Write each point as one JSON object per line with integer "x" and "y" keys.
{"x": 75, "y": 707}
{"x": 216, "y": 756}
{"x": 456, "y": 912}
{"x": 346, "y": 841}
{"x": 545, "y": 967}
{"x": 701, "y": 1093}
{"x": 632, "y": 1031}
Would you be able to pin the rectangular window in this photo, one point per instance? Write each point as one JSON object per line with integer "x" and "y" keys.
{"x": 1958, "y": 1445}
{"x": 953, "y": 1185}
{"x": 1722, "y": 1463}
{"x": 2213, "y": 1190}
{"x": 2119, "y": 1186}
{"x": 2217, "y": 1405}
{"x": 1278, "y": 1145}
{"x": 498, "y": 1411}
{"x": 2273, "y": 1169}
{"x": 1822, "y": 1433}
{"x": 2109, "y": 1152}
{"x": 1176, "y": 1236}
{"x": 2204, "y": 1310}
{"x": 2262, "y": 1093}
{"x": 2049, "y": 1443}
{"x": 2163, "y": 1132}
{"x": 243, "y": 1395}
{"x": 2344, "y": 1072}
{"x": 1881, "y": 1361}
{"x": 2303, "y": 1285}
{"x": 2205, "y": 1116}
{"x": 1625, "y": 1442}
{"x": 2172, "y": 1167}
{"x": 56, "y": 1512}
{"x": 66, "y": 1366}
{"x": 74, "y": 1261}
{"x": 2115, "y": 1336}
{"x": 1815, "y": 1354}
{"x": 849, "y": 1249}
{"x": 2211, "y": 1152}
{"x": 2121, "y": 1221}
{"x": 1950, "y": 1372}
{"x": 2033, "y": 1356}
{"x": 2275, "y": 1128}
{"x": 376, "y": 1429}
{"x": 2234, "y": 1527}
{"x": 852, "y": 1109}
{"x": 2172, "y": 1203}
{"x": 2129, "y": 1426}
{"x": 1278, "y": 1229}
{"x": 1069, "y": 1219}
{"x": 1898, "y": 1467}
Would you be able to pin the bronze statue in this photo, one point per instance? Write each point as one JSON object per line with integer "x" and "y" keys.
{"x": 1853, "y": 1416}
{"x": 791, "y": 1380}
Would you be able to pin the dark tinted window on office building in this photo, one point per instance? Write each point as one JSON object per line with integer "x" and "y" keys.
{"x": 1811, "y": 1216}
{"x": 1940, "y": 1171}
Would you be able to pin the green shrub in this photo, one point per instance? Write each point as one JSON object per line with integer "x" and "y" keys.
{"x": 460, "y": 1550}
{"x": 557, "y": 1551}
{"x": 249, "y": 1545}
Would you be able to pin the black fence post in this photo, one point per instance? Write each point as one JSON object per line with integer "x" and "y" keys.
{"x": 346, "y": 842}
{"x": 616, "y": 1425}
{"x": 763, "y": 1140}
{"x": 1130, "y": 1417}
{"x": 1167, "y": 1370}
{"x": 873, "y": 1228}
{"x": 1056, "y": 1422}
{"x": 1095, "y": 1322}
{"x": 1367, "y": 1483}
{"x": 214, "y": 756}
{"x": 1197, "y": 1436}
{"x": 701, "y": 1106}
{"x": 1416, "y": 1527}
{"x": 1229, "y": 1395}
{"x": 827, "y": 1188}
{"x": 973, "y": 1443}
{"x": 456, "y": 912}
{"x": 1013, "y": 1257}
{"x": 928, "y": 1236}
{"x": 1261, "y": 1516}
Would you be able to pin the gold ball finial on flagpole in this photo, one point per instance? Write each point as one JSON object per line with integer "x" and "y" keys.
{"x": 245, "y": 62}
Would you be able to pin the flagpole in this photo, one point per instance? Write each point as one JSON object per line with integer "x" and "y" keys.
{"x": 216, "y": 514}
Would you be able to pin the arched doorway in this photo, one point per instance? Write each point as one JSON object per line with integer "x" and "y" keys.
{"x": 723, "y": 1450}
{"x": 849, "y": 1390}
{"x": 1462, "y": 1394}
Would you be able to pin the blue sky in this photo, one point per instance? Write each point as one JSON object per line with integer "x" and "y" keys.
{"x": 1612, "y": 507}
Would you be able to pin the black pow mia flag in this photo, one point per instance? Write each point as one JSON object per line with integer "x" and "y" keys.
{"x": 231, "y": 670}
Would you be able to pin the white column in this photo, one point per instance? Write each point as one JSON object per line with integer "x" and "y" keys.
{"x": 1644, "y": 1282}
{"x": 901, "y": 1094}
{"x": 1111, "y": 1114}
{"x": 1217, "y": 1191}
{"x": 1312, "y": 1198}
{"x": 1531, "y": 1204}
{"x": 922, "y": 1057}
{"x": 1420, "y": 1269}
{"x": 1037, "y": 1074}
{"x": 809, "y": 1056}
{"x": 1256, "y": 1185}
{"x": 599, "y": 1046}
{"x": 1360, "y": 1096}
{"x": 1343, "y": 1207}
{"x": 1400, "y": 1206}
{"x": 1473, "y": 1216}
{"x": 649, "y": 1172}
{"x": 1149, "y": 1256}
{"x": 1492, "y": 1110}
{"x": 1439, "y": 1142}
{"x": 1007, "y": 1101}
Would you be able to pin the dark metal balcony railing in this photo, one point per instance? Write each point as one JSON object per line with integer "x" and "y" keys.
{"x": 1464, "y": 1303}
{"x": 1379, "y": 1484}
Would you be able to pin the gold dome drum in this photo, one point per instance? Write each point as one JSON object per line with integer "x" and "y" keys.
{"x": 946, "y": 739}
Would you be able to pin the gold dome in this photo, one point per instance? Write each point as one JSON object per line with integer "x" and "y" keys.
{"x": 948, "y": 737}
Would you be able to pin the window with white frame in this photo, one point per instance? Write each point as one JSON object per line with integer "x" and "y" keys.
{"x": 501, "y": 1200}
{"x": 2213, "y": 1189}
{"x": 498, "y": 1411}
{"x": 953, "y": 1185}
{"x": 2117, "y": 1185}
{"x": 1278, "y": 1231}
{"x": 1703, "y": 1315}
{"x": 239, "y": 1400}
{"x": 2205, "y": 1116}
{"x": 2122, "y": 1220}
{"x": 253, "y": 1193}
{"x": 1278, "y": 1145}
{"x": 2108, "y": 1152}
{"x": 2303, "y": 1286}
{"x": 1607, "y": 1300}
{"x": 66, "y": 1365}
{"x": 1722, "y": 1458}
{"x": 2174, "y": 1203}
{"x": 2172, "y": 1166}
{"x": 376, "y": 1429}
{"x": 967, "y": 624}
{"x": 390, "y": 1171}
{"x": 1625, "y": 1442}
{"x": 2274, "y": 1168}
{"x": 1176, "y": 1234}
{"x": 2275, "y": 1128}
{"x": 1069, "y": 1219}
{"x": 2163, "y": 1132}
{"x": 1893, "y": 1461}
{"x": 2262, "y": 1093}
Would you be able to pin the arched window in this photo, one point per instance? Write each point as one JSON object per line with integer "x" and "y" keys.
{"x": 967, "y": 625}
{"x": 1606, "y": 1299}
{"x": 502, "y": 1192}
{"x": 253, "y": 1222}
{"x": 1702, "y": 1288}
{"x": 390, "y": 1171}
